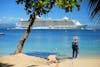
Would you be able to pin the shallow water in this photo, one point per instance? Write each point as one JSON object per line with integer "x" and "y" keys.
{"x": 44, "y": 42}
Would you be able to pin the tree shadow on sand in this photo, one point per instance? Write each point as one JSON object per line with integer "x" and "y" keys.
{"x": 5, "y": 65}
{"x": 69, "y": 58}
{"x": 32, "y": 66}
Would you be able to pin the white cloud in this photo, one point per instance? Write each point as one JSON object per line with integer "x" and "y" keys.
{"x": 10, "y": 19}
{"x": 66, "y": 18}
{"x": 21, "y": 19}
{"x": 0, "y": 20}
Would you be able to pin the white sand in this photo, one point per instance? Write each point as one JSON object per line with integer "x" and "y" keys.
{"x": 22, "y": 60}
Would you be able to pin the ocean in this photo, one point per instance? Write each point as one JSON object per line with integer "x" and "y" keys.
{"x": 43, "y": 42}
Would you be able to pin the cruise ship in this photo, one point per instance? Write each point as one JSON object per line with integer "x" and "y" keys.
{"x": 40, "y": 23}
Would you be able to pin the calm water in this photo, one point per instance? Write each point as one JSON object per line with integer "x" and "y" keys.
{"x": 44, "y": 42}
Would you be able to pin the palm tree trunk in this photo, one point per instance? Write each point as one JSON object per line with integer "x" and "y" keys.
{"x": 26, "y": 34}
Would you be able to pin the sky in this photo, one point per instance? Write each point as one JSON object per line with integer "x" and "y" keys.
{"x": 10, "y": 12}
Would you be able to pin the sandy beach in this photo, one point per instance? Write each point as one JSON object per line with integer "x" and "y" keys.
{"x": 22, "y": 60}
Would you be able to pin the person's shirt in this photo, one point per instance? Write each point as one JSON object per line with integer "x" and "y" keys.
{"x": 75, "y": 44}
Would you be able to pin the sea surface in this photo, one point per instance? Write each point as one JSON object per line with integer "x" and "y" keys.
{"x": 45, "y": 42}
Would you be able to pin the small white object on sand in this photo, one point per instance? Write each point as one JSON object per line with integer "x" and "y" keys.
{"x": 52, "y": 58}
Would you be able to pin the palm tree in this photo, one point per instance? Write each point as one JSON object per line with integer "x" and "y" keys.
{"x": 40, "y": 7}
{"x": 94, "y": 9}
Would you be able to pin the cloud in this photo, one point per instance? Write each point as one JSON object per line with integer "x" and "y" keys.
{"x": 0, "y": 20}
{"x": 21, "y": 19}
{"x": 10, "y": 19}
{"x": 66, "y": 18}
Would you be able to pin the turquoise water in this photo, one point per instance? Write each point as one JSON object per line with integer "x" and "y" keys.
{"x": 44, "y": 42}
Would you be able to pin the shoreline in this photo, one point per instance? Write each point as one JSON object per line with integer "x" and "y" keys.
{"x": 45, "y": 55}
{"x": 23, "y": 60}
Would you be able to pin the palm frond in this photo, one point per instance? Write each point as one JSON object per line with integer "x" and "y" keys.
{"x": 94, "y": 9}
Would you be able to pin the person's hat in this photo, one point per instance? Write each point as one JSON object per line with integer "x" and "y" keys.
{"x": 75, "y": 38}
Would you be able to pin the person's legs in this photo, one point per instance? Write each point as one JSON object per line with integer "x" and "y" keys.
{"x": 76, "y": 52}
{"x": 73, "y": 53}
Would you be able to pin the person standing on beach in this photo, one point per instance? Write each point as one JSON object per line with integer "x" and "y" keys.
{"x": 75, "y": 47}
